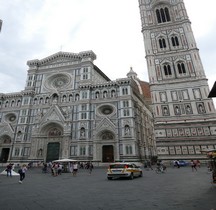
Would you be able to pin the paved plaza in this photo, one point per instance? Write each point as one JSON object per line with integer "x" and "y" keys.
{"x": 179, "y": 189}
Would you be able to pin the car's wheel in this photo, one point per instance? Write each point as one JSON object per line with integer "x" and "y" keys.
{"x": 141, "y": 174}
{"x": 109, "y": 178}
{"x": 131, "y": 176}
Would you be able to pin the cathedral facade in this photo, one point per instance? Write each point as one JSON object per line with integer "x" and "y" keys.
{"x": 71, "y": 109}
{"x": 185, "y": 118}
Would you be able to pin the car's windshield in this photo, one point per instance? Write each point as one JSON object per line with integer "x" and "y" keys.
{"x": 118, "y": 166}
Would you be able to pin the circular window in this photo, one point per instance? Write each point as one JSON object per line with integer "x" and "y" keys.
{"x": 58, "y": 81}
{"x": 106, "y": 109}
{"x": 10, "y": 117}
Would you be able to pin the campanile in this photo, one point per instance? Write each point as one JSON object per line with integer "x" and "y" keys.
{"x": 185, "y": 118}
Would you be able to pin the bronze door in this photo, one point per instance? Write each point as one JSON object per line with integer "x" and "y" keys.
{"x": 108, "y": 155}
{"x": 52, "y": 151}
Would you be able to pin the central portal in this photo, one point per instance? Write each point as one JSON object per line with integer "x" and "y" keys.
{"x": 52, "y": 151}
{"x": 108, "y": 153}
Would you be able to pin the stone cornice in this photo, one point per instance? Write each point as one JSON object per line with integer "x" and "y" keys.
{"x": 17, "y": 94}
{"x": 63, "y": 55}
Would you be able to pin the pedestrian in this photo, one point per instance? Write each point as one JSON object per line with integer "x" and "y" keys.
{"x": 193, "y": 165}
{"x": 22, "y": 172}
{"x": 75, "y": 169}
{"x": 198, "y": 163}
{"x": 90, "y": 168}
{"x": 9, "y": 170}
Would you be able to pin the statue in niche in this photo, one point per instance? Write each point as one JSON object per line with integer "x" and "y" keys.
{"x": 201, "y": 108}
{"x": 163, "y": 97}
{"x": 188, "y": 109}
{"x": 127, "y": 130}
{"x": 40, "y": 152}
{"x": 82, "y": 132}
{"x": 177, "y": 110}
{"x": 165, "y": 111}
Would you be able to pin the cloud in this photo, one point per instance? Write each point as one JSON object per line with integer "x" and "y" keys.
{"x": 34, "y": 29}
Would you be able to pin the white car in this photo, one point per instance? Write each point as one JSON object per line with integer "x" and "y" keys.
{"x": 118, "y": 170}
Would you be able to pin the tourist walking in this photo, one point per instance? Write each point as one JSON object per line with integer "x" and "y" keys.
{"x": 9, "y": 170}
{"x": 22, "y": 172}
{"x": 75, "y": 169}
{"x": 193, "y": 165}
{"x": 90, "y": 168}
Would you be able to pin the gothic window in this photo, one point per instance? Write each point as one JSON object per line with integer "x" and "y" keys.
{"x": 125, "y": 104}
{"x": 181, "y": 68}
{"x": 82, "y": 150}
{"x": 175, "y": 41}
{"x": 167, "y": 70}
{"x": 73, "y": 150}
{"x": 124, "y": 91}
{"x": 162, "y": 43}
{"x": 129, "y": 150}
{"x": 85, "y": 73}
{"x": 126, "y": 112}
{"x": 83, "y": 115}
{"x": 84, "y": 95}
{"x": 84, "y": 107}
{"x": 163, "y": 15}
{"x": 17, "y": 151}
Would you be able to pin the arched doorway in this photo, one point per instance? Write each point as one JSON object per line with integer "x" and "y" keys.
{"x": 108, "y": 153}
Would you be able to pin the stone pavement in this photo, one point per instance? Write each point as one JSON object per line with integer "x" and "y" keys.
{"x": 177, "y": 189}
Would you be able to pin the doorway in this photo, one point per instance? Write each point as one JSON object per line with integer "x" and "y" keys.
{"x": 4, "y": 155}
{"x": 52, "y": 151}
{"x": 108, "y": 153}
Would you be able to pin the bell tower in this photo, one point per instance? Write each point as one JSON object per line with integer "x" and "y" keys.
{"x": 185, "y": 118}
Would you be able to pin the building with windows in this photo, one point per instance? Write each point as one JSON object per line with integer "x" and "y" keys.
{"x": 71, "y": 109}
{"x": 185, "y": 118}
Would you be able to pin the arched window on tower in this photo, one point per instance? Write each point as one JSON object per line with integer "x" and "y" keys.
{"x": 175, "y": 41}
{"x": 181, "y": 68}
{"x": 162, "y": 43}
{"x": 167, "y": 70}
{"x": 163, "y": 15}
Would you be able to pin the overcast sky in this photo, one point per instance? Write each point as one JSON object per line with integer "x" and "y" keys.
{"x": 35, "y": 29}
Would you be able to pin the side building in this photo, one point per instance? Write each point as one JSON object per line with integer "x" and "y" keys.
{"x": 71, "y": 109}
{"x": 185, "y": 118}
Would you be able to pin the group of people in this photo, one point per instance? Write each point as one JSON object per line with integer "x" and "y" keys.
{"x": 57, "y": 168}
{"x": 10, "y": 168}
